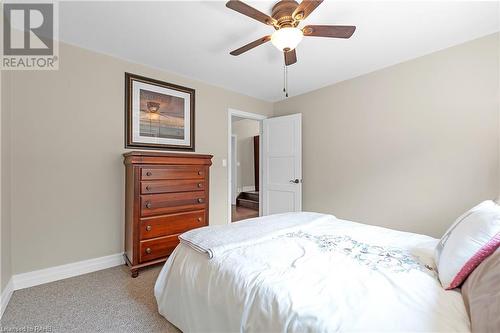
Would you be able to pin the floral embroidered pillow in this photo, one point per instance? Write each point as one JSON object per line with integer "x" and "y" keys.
{"x": 472, "y": 238}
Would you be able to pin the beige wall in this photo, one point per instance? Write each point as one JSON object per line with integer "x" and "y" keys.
{"x": 5, "y": 217}
{"x": 67, "y": 171}
{"x": 245, "y": 130}
{"x": 408, "y": 147}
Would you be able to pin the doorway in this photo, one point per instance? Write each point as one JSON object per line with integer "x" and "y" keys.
{"x": 244, "y": 165}
{"x": 267, "y": 178}
{"x": 234, "y": 166}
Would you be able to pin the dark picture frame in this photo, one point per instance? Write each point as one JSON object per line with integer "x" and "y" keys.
{"x": 178, "y": 137}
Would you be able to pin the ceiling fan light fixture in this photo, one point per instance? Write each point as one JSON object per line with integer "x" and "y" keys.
{"x": 287, "y": 38}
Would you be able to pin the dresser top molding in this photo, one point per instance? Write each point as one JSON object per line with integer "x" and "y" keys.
{"x": 143, "y": 157}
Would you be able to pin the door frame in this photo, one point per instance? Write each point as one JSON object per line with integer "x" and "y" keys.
{"x": 246, "y": 115}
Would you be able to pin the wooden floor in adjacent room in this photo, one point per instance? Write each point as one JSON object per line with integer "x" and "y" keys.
{"x": 239, "y": 213}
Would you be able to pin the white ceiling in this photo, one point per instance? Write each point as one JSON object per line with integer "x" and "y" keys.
{"x": 193, "y": 38}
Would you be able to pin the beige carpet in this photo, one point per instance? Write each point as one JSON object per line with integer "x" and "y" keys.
{"x": 104, "y": 301}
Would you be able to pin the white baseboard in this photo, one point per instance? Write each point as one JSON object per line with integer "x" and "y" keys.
{"x": 5, "y": 296}
{"x": 35, "y": 278}
{"x": 248, "y": 188}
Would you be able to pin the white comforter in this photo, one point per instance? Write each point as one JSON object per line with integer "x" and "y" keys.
{"x": 331, "y": 275}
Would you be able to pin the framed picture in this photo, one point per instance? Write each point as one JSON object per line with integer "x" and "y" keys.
{"x": 158, "y": 115}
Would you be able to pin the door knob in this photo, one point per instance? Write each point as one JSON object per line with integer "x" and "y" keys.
{"x": 295, "y": 181}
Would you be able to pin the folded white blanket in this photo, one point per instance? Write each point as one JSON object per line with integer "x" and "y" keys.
{"x": 213, "y": 240}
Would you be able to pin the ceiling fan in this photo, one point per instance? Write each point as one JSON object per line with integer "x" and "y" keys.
{"x": 285, "y": 19}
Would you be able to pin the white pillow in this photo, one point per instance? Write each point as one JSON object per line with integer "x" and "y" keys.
{"x": 471, "y": 239}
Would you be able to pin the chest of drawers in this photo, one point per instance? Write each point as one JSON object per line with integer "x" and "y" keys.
{"x": 166, "y": 194}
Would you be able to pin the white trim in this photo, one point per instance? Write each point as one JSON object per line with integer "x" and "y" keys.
{"x": 6, "y": 295}
{"x": 51, "y": 274}
{"x": 35, "y": 278}
{"x": 247, "y": 115}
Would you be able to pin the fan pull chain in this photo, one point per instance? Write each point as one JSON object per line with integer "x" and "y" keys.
{"x": 286, "y": 71}
{"x": 285, "y": 80}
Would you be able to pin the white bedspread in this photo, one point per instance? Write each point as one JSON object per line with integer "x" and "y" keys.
{"x": 221, "y": 238}
{"x": 328, "y": 276}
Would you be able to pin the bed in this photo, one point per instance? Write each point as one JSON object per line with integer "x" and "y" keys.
{"x": 306, "y": 272}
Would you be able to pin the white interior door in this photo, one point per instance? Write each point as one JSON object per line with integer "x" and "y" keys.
{"x": 282, "y": 164}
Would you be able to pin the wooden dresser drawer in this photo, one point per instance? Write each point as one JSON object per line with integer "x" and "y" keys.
{"x": 165, "y": 225}
{"x": 173, "y": 185}
{"x": 157, "y": 204}
{"x": 157, "y": 247}
{"x": 166, "y": 194}
{"x": 173, "y": 172}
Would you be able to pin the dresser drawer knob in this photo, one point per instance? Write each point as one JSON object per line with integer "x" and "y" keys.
{"x": 200, "y": 185}
{"x": 148, "y": 173}
{"x": 200, "y": 200}
{"x": 148, "y": 188}
{"x": 148, "y": 250}
{"x": 199, "y": 219}
{"x": 200, "y": 172}
{"x": 148, "y": 204}
{"x": 148, "y": 228}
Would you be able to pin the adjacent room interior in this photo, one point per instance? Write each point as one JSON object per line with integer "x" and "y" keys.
{"x": 261, "y": 166}
{"x": 245, "y": 167}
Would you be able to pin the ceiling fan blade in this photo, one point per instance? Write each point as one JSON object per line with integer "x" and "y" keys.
{"x": 249, "y": 11}
{"x": 305, "y": 8}
{"x": 250, "y": 46}
{"x": 290, "y": 57}
{"x": 333, "y": 31}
